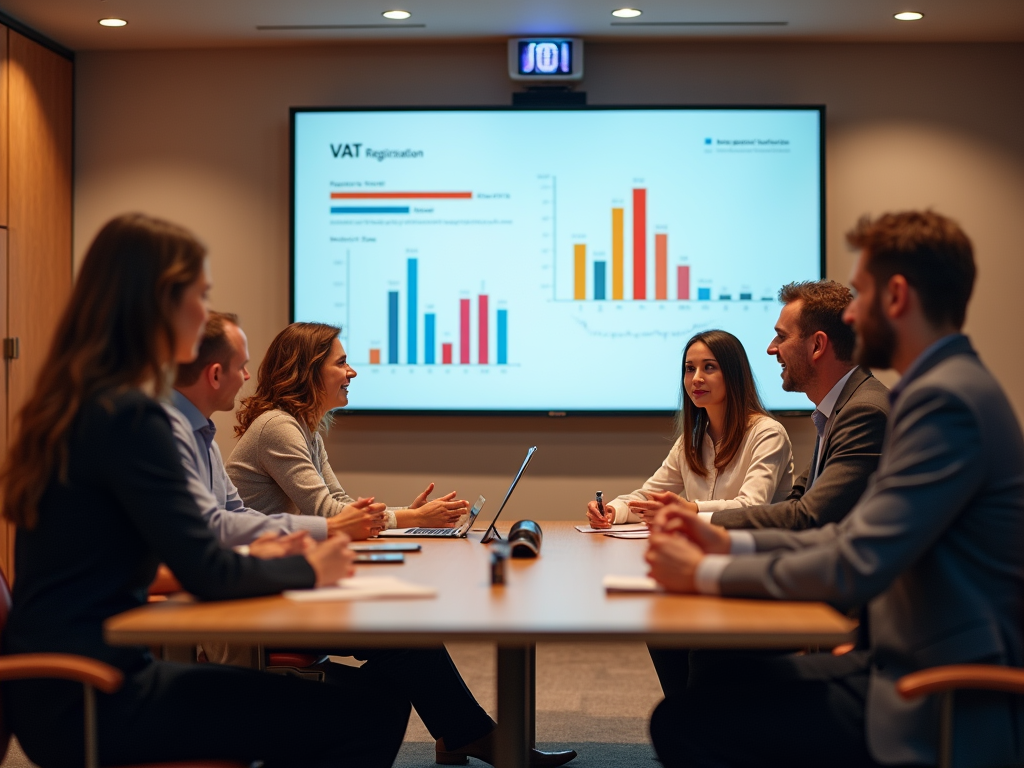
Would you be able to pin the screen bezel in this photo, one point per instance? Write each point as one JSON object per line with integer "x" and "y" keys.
{"x": 293, "y": 112}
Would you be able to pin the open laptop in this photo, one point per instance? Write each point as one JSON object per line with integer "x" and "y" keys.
{"x": 461, "y": 531}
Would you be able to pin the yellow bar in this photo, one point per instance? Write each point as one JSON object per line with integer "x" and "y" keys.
{"x": 617, "y": 251}
{"x": 580, "y": 253}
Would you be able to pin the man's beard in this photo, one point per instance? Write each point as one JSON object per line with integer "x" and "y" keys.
{"x": 876, "y": 339}
{"x": 796, "y": 375}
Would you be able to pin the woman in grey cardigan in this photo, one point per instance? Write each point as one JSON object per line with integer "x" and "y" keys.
{"x": 280, "y": 465}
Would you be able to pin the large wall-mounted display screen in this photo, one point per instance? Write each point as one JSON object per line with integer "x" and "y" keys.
{"x": 550, "y": 260}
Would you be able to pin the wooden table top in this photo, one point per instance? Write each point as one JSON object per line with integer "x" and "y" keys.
{"x": 556, "y": 597}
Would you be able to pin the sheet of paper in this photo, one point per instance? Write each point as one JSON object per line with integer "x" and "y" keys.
{"x": 362, "y": 588}
{"x": 614, "y": 529}
{"x": 628, "y": 534}
{"x": 614, "y": 583}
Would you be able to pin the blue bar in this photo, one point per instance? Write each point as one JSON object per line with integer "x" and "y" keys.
{"x": 703, "y": 294}
{"x": 502, "y": 337}
{"x": 428, "y": 338}
{"x": 374, "y": 209}
{"x": 411, "y": 319}
{"x": 393, "y": 327}
{"x": 746, "y": 297}
{"x": 599, "y": 280}
{"x": 725, "y": 297}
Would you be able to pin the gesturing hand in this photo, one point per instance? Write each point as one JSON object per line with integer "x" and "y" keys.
{"x": 656, "y": 501}
{"x": 420, "y": 500}
{"x": 442, "y": 512}
{"x": 359, "y": 520}
{"x": 676, "y": 520}
{"x": 331, "y": 560}
{"x": 271, "y": 546}
{"x": 673, "y": 561}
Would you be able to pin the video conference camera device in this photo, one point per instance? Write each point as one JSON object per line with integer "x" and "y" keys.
{"x": 524, "y": 539}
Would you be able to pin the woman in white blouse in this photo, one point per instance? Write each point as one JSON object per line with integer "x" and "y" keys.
{"x": 730, "y": 452}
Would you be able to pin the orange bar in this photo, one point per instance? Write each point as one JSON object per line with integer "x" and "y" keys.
{"x": 580, "y": 253}
{"x": 374, "y": 357}
{"x": 401, "y": 195}
{"x": 617, "y": 251}
{"x": 661, "y": 266}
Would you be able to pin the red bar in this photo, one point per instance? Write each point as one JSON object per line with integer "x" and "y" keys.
{"x": 401, "y": 195}
{"x": 682, "y": 283}
{"x": 483, "y": 330}
{"x": 639, "y": 243}
{"x": 464, "y": 331}
{"x": 661, "y": 266}
{"x": 446, "y": 354}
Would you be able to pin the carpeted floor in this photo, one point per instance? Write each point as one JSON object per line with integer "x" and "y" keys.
{"x": 593, "y": 698}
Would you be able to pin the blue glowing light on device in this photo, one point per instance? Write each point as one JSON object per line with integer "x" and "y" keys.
{"x": 545, "y": 59}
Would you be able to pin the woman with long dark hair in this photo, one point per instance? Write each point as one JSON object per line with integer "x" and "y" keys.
{"x": 728, "y": 453}
{"x": 280, "y": 465}
{"x": 95, "y": 486}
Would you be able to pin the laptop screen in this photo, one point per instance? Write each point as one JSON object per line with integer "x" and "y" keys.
{"x": 477, "y": 506}
{"x": 519, "y": 474}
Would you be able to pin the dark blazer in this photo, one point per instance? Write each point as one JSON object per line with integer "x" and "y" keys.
{"x": 936, "y": 544}
{"x": 848, "y": 457}
{"x": 124, "y": 509}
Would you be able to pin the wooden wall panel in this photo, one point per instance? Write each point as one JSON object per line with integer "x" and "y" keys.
{"x": 39, "y": 206}
{"x": 6, "y": 529}
{"x": 4, "y": 149}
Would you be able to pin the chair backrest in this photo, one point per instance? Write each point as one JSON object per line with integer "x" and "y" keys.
{"x": 5, "y": 609}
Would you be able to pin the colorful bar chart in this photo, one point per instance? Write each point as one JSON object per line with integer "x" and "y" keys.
{"x": 580, "y": 271}
{"x": 682, "y": 283}
{"x": 393, "y": 327}
{"x": 639, "y": 243}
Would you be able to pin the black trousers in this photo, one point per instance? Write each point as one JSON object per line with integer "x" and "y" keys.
{"x": 756, "y": 710}
{"x": 429, "y": 680}
{"x": 169, "y": 712}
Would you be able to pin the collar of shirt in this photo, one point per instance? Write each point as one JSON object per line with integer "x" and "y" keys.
{"x": 189, "y": 411}
{"x": 828, "y": 402}
{"x": 912, "y": 371}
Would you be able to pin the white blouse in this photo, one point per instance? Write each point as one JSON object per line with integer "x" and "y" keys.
{"x": 761, "y": 472}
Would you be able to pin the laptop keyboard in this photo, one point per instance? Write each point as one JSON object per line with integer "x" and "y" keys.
{"x": 434, "y": 531}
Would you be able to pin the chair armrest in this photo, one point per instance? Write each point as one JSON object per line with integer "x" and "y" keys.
{"x": 63, "y": 666}
{"x": 165, "y": 582}
{"x": 977, "y": 676}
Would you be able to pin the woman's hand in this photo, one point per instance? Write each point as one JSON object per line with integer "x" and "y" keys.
{"x": 271, "y": 546}
{"x": 443, "y": 512}
{"x": 331, "y": 560}
{"x": 597, "y": 520}
{"x": 362, "y": 519}
{"x": 649, "y": 509}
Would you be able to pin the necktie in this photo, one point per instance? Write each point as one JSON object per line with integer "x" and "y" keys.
{"x": 819, "y": 419}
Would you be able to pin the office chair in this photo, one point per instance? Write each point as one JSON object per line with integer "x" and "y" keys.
{"x": 92, "y": 674}
{"x": 946, "y": 680}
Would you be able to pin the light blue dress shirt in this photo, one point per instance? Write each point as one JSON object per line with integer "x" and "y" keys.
{"x": 232, "y": 522}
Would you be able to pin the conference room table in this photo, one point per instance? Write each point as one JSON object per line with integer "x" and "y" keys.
{"x": 557, "y": 597}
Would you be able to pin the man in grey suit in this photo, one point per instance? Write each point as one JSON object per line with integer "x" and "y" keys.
{"x": 815, "y": 349}
{"x": 935, "y": 547}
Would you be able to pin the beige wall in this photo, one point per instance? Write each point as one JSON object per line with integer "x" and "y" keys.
{"x": 201, "y": 137}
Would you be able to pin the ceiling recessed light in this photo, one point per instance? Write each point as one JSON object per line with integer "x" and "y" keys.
{"x": 909, "y": 16}
{"x": 396, "y": 15}
{"x": 626, "y": 13}
{"x": 113, "y": 22}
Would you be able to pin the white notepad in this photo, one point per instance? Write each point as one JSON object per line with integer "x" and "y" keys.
{"x": 362, "y": 588}
{"x": 626, "y": 528}
{"x": 614, "y": 583}
{"x": 628, "y": 534}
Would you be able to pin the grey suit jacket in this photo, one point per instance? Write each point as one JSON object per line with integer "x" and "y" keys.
{"x": 848, "y": 457}
{"x": 936, "y": 544}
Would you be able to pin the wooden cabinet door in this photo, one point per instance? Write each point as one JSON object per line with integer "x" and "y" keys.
{"x": 4, "y": 149}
